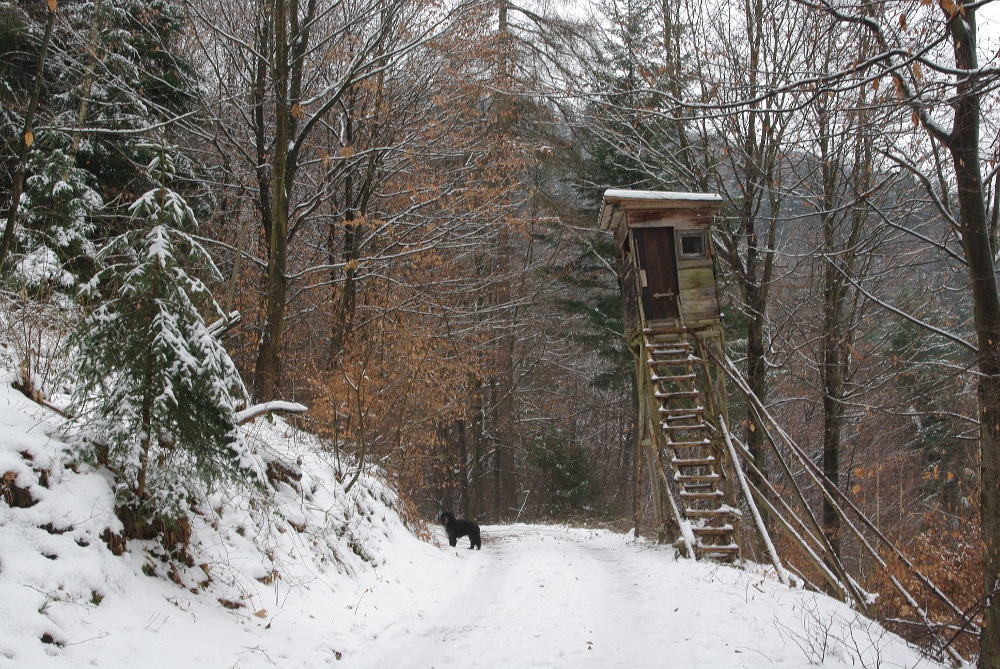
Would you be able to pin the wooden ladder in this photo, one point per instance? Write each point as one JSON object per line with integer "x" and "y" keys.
{"x": 674, "y": 370}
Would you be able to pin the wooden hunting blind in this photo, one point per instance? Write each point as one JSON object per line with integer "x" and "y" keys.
{"x": 673, "y": 328}
{"x": 695, "y": 463}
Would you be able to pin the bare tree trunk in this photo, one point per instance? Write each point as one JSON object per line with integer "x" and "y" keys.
{"x": 267, "y": 372}
{"x": 506, "y": 433}
{"x": 759, "y": 254}
{"x": 349, "y": 253}
{"x": 257, "y": 97}
{"x": 979, "y": 253}
{"x": 88, "y": 82}
{"x": 26, "y": 139}
{"x": 476, "y": 457}
{"x": 504, "y": 405}
{"x": 356, "y": 199}
{"x": 832, "y": 364}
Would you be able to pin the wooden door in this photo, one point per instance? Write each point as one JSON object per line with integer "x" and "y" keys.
{"x": 658, "y": 263}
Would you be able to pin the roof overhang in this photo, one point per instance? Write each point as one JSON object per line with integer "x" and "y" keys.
{"x": 617, "y": 202}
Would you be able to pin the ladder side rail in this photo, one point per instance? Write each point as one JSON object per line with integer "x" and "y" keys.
{"x": 649, "y": 414}
{"x": 682, "y": 524}
{"x": 775, "y": 560}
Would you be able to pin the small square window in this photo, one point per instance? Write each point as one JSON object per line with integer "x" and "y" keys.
{"x": 694, "y": 244}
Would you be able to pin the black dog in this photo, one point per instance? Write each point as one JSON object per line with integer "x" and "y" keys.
{"x": 461, "y": 528}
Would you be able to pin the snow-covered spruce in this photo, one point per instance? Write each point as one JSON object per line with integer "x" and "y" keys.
{"x": 53, "y": 237}
{"x": 156, "y": 393}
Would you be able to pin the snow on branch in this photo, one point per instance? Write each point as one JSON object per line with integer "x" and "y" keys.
{"x": 224, "y": 325}
{"x": 250, "y": 413}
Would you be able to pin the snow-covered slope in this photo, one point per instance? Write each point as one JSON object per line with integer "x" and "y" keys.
{"x": 321, "y": 576}
{"x": 269, "y": 580}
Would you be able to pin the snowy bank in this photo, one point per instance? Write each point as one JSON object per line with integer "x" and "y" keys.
{"x": 270, "y": 578}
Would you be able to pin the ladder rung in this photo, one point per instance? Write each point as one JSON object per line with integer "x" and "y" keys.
{"x": 727, "y": 548}
{"x": 689, "y": 444}
{"x": 714, "y": 494}
{"x": 683, "y": 428}
{"x": 693, "y": 462}
{"x": 696, "y": 478}
{"x": 680, "y": 412}
{"x": 684, "y": 394}
{"x": 676, "y": 347}
{"x": 698, "y": 488}
{"x": 682, "y": 377}
{"x": 710, "y": 513}
{"x": 686, "y": 363}
{"x": 671, "y": 357}
{"x": 664, "y": 427}
{"x": 680, "y": 358}
{"x": 713, "y": 531}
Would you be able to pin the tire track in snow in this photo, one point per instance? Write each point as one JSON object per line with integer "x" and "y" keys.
{"x": 533, "y": 597}
{"x": 570, "y": 598}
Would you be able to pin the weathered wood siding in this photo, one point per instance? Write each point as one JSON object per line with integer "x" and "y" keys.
{"x": 699, "y": 297}
{"x": 629, "y": 285}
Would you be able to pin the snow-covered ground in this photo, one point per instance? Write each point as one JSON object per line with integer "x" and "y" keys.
{"x": 542, "y": 596}
{"x": 319, "y": 576}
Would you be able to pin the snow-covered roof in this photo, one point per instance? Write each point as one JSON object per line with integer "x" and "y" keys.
{"x": 619, "y": 194}
{"x": 616, "y": 200}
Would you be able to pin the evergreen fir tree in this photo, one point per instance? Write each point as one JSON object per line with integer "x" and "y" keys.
{"x": 54, "y": 236}
{"x": 139, "y": 81}
{"x": 120, "y": 58}
{"x": 155, "y": 385}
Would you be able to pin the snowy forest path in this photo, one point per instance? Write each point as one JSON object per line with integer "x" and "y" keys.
{"x": 538, "y": 597}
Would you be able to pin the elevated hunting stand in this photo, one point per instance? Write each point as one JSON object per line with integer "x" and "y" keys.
{"x": 673, "y": 328}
